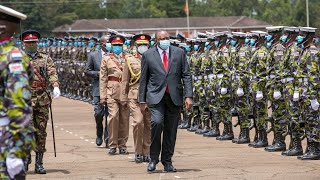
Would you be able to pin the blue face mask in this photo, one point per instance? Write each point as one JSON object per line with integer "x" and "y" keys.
{"x": 252, "y": 42}
{"x": 54, "y": 44}
{"x": 98, "y": 47}
{"x": 284, "y": 39}
{"x": 40, "y": 44}
{"x": 207, "y": 45}
{"x": 108, "y": 47}
{"x": 127, "y": 42}
{"x": 59, "y": 44}
{"x": 233, "y": 43}
{"x": 299, "y": 39}
{"x": 75, "y": 44}
{"x": 195, "y": 47}
{"x": 90, "y": 44}
{"x": 216, "y": 43}
{"x": 316, "y": 40}
{"x": 269, "y": 44}
{"x": 79, "y": 44}
{"x": 64, "y": 43}
{"x": 48, "y": 44}
{"x": 164, "y": 44}
{"x": 117, "y": 49}
{"x": 187, "y": 48}
{"x": 247, "y": 41}
{"x": 70, "y": 44}
{"x": 269, "y": 37}
{"x": 152, "y": 43}
{"x": 83, "y": 44}
{"x": 227, "y": 41}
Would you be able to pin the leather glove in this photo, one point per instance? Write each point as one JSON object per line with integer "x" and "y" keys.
{"x": 315, "y": 104}
{"x": 56, "y": 92}
{"x": 259, "y": 95}
{"x": 14, "y": 166}
{"x": 276, "y": 95}
{"x": 240, "y": 92}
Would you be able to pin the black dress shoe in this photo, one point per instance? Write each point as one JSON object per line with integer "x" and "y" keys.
{"x": 112, "y": 151}
{"x": 151, "y": 166}
{"x": 99, "y": 141}
{"x": 169, "y": 168}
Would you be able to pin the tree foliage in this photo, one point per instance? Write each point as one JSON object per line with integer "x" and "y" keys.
{"x": 45, "y": 15}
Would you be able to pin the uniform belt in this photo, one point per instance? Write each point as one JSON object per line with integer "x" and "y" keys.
{"x": 112, "y": 78}
{"x": 38, "y": 84}
{"x": 4, "y": 121}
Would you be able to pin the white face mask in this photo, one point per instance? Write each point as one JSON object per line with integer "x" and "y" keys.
{"x": 142, "y": 49}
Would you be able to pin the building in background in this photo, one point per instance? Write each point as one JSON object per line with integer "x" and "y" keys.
{"x": 98, "y": 27}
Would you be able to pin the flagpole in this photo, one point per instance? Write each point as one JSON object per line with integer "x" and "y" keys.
{"x": 188, "y": 22}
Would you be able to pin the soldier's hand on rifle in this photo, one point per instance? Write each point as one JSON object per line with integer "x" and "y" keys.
{"x": 56, "y": 92}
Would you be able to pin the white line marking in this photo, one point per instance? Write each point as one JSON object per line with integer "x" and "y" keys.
{"x": 86, "y": 140}
{"x": 61, "y": 129}
{"x": 92, "y": 142}
{"x": 178, "y": 177}
{"x": 67, "y": 131}
{"x": 81, "y": 138}
{"x": 70, "y": 132}
{"x": 130, "y": 157}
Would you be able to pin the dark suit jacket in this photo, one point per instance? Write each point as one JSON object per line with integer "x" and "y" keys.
{"x": 92, "y": 70}
{"x": 154, "y": 79}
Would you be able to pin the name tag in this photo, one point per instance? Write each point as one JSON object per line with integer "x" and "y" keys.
{"x": 15, "y": 68}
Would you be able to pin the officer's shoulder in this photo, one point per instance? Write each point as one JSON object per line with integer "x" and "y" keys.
{"x": 176, "y": 49}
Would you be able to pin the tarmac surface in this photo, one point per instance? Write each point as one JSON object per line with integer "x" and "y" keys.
{"x": 195, "y": 157}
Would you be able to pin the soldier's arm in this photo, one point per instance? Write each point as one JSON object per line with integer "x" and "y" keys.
{"x": 52, "y": 73}
{"x": 103, "y": 80}
{"x": 125, "y": 81}
{"x": 90, "y": 67}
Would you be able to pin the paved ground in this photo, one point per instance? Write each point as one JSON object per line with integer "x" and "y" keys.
{"x": 195, "y": 157}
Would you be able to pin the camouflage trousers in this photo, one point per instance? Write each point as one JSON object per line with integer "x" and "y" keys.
{"x": 242, "y": 106}
{"x": 260, "y": 111}
{"x": 312, "y": 124}
{"x": 279, "y": 112}
{"x": 14, "y": 142}
{"x": 39, "y": 121}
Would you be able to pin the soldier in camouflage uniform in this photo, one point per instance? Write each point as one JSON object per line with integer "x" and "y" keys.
{"x": 241, "y": 84}
{"x": 276, "y": 74}
{"x": 291, "y": 90}
{"x": 45, "y": 75}
{"x": 308, "y": 74}
{"x": 258, "y": 72}
{"x": 16, "y": 135}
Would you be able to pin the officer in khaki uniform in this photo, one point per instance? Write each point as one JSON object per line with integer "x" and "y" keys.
{"x": 129, "y": 90}
{"x": 111, "y": 71}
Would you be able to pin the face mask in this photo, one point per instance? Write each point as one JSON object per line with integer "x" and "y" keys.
{"x": 127, "y": 42}
{"x": 64, "y": 43}
{"x": 164, "y": 44}
{"x": 40, "y": 44}
{"x": 79, "y": 44}
{"x": 31, "y": 49}
{"x": 90, "y": 44}
{"x": 316, "y": 40}
{"x": 252, "y": 42}
{"x": 117, "y": 49}
{"x": 284, "y": 39}
{"x": 187, "y": 48}
{"x": 59, "y": 44}
{"x": 151, "y": 43}
{"x": 269, "y": 44}
{"x": 54, "y": 44}
{"x": 70, "y": 44}
{"x": 83, "y": 44}
{"x": 48, "y": 44}
{"x": 233, "y": 43}
{"x": 142, "y": 49}
{"x": 98, "y": 47}
{"x": 269, "y": 37}
{"x": 75, "y": 44}
{"x": 196, "y": 47}
{"x": 227, "y": 41}
{"x": 108, "y": 46}
{"x": 216, "y": 43}
{"x": 299, "y": 39}
{"x": 207, "y": 45}
{"x": 247, "y": 41}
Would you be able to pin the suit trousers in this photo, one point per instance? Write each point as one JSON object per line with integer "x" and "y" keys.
{"x": 100, "y": 111}
{"x": 118, "y": 124}
{"x": 164, "y": 118}
{"x": 141, "y": 128}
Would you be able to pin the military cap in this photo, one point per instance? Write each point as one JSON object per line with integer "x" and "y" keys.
{"x": 66, "y": 38}
{"x": 117, "y": 39}
{"x": 239, "y": 34}
{"x": 308, "y": 29}
{"x": 201, "y": 35}
{"x": 172, "y": 37}
{"x": 258, "y": 33}
{"x": 182, "y": 44}
{"x": 11, "y": 15}
{"x": 248, "y": 34}
{"x": 141, "y": 39}
{"x": 112, "y": 32}
{"x": 85, "y": 38}
{"x": 291, "y": 29}
{"x": 221, "y": 34}
{"x": 72, "y": 38}
{"x": 174, "y": 41}
{"x": 30, "y": 35}
{"x": 275, "y": 28}
{"x": 180, "y": 36}
{"x": 95, "y": 39}
{"x": 201, "y": 40}
{"x": 191, "y": 40}
{"x": 230, "y": 35}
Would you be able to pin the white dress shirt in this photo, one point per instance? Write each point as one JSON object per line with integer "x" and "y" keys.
{"x": 161, "y": 53}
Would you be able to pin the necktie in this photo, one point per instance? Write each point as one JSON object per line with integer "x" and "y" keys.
{"x": 165, "y": 65}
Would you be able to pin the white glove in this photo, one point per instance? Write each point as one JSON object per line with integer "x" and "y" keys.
{"x": 14, "y": 166}
{"x": 259, "y": 95}
{"x": 315, "y": 104}
{"x": 296, "y": 96}
{"x": 213, "y": 93}
{"x": 224, "y": 91}
{"x": 240, "y": 92}
{"x": 277, "y": 95}
{"x": 56, "y": 92}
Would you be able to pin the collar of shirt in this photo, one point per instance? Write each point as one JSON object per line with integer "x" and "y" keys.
{"x": 161, "y": 52}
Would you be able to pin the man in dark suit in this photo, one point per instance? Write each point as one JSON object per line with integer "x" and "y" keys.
{"x": 164, "y": 75}
{"x": 92, "y": 70}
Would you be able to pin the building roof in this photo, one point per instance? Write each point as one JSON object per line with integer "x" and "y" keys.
{"x": 134, "y": 24}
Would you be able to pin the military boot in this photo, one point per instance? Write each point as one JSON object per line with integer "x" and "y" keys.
{"x": 27, "y": 161}
{"x": 295, "y": 147}
{"x": 227, "y": 133}
{"x": 188, "y": 122}
{"x": 278, "y": 143}
{"x": 313, "y": 152}
{"x": 206, "y": 123}
{"x": 77, "y": 95}
{"x": 244, "y": 136}
{"x": 39, "y": 169}
{"x": 263, "y": 139}
{"x": 195, "y": 124}
{"x": 183, "y": 121}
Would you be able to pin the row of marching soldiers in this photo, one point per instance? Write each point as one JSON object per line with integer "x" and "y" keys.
{"x": 250, "y": 74}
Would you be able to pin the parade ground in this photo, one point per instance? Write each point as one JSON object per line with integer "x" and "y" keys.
{"x": 195, "y": 157}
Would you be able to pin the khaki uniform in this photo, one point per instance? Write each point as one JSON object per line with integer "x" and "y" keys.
{"x": 110, "y": 88}
{"x": 130, "y": 90}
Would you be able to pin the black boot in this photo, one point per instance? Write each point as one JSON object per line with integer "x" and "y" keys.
{"x": 27, "y": 161}
{"x": 206, "y": 128}
{"x": 196, "y": 120}
{"x": 39, "y": 169}
{"x": 214, "y": 132}
{"x": 278, "y": 143}
{"x": 188, "y": 122}
{"x": 313, "y": 152}
{"x": 227, "y": 133}
{"x": 263, "y": 139}
{"x": 244, "y": 136}
{"x": 295, "y": 148}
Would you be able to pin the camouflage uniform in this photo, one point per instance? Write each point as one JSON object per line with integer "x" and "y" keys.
{"x": 16, "y": 136}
